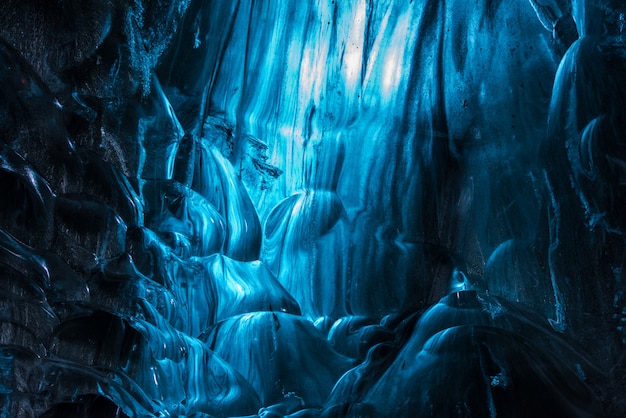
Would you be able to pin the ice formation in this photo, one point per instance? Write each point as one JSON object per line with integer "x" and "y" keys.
{"x": 318, "y": 208}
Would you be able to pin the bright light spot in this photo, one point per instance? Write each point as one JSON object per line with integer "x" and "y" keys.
{"x": 392, "y": 69}
{"x": 239, "y": 289}
{"x": 307, "y": 75}
{"x": 353, "y": 57}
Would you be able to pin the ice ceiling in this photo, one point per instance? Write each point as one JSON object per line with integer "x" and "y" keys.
{"x": 365, "y": 208}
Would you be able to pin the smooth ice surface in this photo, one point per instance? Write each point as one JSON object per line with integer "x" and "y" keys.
{"x": 312, "y": 208}
{"x": 285, "y": 356}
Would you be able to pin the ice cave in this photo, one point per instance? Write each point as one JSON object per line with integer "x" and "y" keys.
{"x": 312, "y": 208}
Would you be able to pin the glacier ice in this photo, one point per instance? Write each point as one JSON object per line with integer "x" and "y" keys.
{"x": 217, "y": 208}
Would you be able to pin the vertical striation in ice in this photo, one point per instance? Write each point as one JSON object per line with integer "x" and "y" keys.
{"x": 312, "y": 208}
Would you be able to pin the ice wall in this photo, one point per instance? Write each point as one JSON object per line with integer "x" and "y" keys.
{"x": 406, "y": 111}
{"x": 317, "y": 208}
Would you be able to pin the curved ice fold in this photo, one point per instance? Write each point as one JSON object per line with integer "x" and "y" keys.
{"x": 478, "y": 308}
{"x": 244, "y": 287}
{"x": 280, "y": 354}
{"x": 304, "y": 246}
{"x": 353, "y": 336}
{"x": 34, "y": 386}
{"x": 586, "y": 119}
{"x": 473, "y": 354}
{"x": 513, "y": 271}
{"x": 387, "y": 145}
{"x": 183, "y": 377}
{"x": 481, "y": 371}
{"x": 215, "y": 180}
{"x": 183, "y": 219}
{"x": 207, "y": 290}
{"x": 159, "y": 133}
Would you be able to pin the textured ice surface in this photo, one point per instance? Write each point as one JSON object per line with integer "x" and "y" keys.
{"x": 312, "y": 208}
{"x": 285, "y": 356}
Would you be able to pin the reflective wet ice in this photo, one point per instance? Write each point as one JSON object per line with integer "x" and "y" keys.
{"x": 312, "y": 209}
